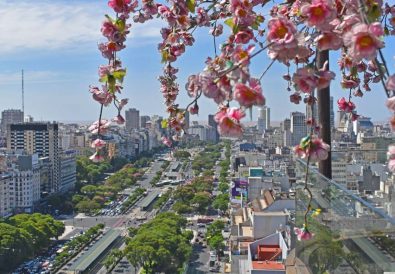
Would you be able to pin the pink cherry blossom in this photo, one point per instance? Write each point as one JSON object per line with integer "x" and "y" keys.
{"x": 96, "y": 157}
{"x": 244, "y": 36}
{"x": 391, "y": 82}
{"x": 305, "y": 80}
{"x": 281, "y": 34}
{"x": 349, "y": 83}
{"x": 319, "y": 13}
{"x": 166, "y": 141}
{"x": 391, "y": 158}
{"x": 194, "y": 109}
{"x": 362, "y": 42}
{"x": 329, "y": 41}
{"x": 119, "y": 119}
{"x": 119, "y": 5}
{"x": 98, "y": 143}
{"x": 217, "y": 30}
{"x": 324, "y": 79}
{"x": 101, "y": 96}
{"x": 303, "y": 234}
{"x": 354, "y": 116}
{"x": 104, "y": 124}
{"x": 390, "y": 103}
{"x": 313, "y": 148}
{"x": 228, "y": 120}
{"x": 249, "y": 96}
{"x": 123, "y": 103}
{"x": 345, "y": 105}
{"x": 295, "y": 98}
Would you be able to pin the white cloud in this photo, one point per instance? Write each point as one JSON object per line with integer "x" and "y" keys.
{"x": 47, "y": 25}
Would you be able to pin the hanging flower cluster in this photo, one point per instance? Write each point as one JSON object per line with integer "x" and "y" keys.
{"x": 391, "y": 106}
{"x": 313, "y": 148}
{"x": 112, "y": 74}
{"x": 303, "y": 234}
{"x": 294, "y": 33}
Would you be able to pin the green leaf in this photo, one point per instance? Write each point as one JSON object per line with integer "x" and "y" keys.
{"x": 111, "y": 83}
{"x": 229, "y": 22}
{"x": 191, "y": 5}
{"x": 229, "y": 64}
{"x": 104, "y": 79}
{"x": 119, "y": 74}
{"x": 120, "y": 25}
{"x": 164, "y": 123}
{"x": 255, "y": 26}
{"x": 165, "y": 55}
{"x": 109, "y": 17}
{"x": 354, "y": 71}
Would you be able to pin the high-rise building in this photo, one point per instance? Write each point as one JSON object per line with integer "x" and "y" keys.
{"x": 10, "y": 116}
{"x": 6, "y": 181}
{"x": 286, "y": 124}
{"x": 312, "y": 112}
{"x": 332, "y": 113}
{"x": 25, "y": 187}
{"x": 263, "y": 119}
{"x": 68, "y": 170}
{"x": 298, "y": 127}
{"x": 143, "y": 120}
{"x": 213, "y": 123}
{"x": 37, "y": 138}
{"x": 132, "y": 118}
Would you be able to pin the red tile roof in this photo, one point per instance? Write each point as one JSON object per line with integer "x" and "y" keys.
{"x": 268, "y": 265}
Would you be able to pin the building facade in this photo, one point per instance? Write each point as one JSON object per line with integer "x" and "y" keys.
{"x": 263, "y": 119}
{"x": 132, "y": 119}
{"x": 37, "y": 138}
{"x": 68, "y": 170}
{"x": 298, "y": 127}
{"x": 10, "y": 116}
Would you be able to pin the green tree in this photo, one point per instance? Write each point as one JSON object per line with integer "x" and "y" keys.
{"x": 89, "y": 190}
{"x": 223, "y": 187}
{"x": 181, "y": 154}
{"x": 182, "y": 208}
{"x": 216, "y": 242}
{"x": 201, "y": 201}
{"x": 160, "y": 245}
{"x": 221, "y": 202}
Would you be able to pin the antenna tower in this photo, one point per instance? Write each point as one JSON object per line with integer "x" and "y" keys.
{"x": 23, "y": 95}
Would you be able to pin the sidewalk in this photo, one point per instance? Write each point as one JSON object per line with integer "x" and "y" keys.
{"x": 67, "y": 230}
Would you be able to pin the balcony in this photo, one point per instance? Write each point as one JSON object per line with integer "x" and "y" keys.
{"x": 352, "y": 234}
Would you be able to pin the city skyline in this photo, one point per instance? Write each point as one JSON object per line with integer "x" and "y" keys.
{"x": 60, "y": 67}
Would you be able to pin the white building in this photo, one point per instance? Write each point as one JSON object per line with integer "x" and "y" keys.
{"x": 5, "y": 182}
{"x": 68, "y": 170}
{"x": 298, "y": 127}
{"x": 24, "y": 189}
{"x": 263, "y": 119}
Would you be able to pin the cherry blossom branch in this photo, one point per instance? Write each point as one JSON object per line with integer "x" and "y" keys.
{"x": 238, "y": 65}
{"x": 267, "y": 69}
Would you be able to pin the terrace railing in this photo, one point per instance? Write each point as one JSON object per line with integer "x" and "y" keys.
{"x": 351, "y": 234}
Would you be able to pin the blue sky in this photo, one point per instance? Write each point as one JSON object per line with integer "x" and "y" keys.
{"x": 55, "y": 42}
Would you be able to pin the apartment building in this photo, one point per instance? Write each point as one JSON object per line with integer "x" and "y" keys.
{"x": 41, "y": 139}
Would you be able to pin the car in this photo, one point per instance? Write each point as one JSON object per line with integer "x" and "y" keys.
{"x": 215, "y": 268}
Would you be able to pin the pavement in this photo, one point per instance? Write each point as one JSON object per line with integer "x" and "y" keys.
{"x": 199, "y": 262}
